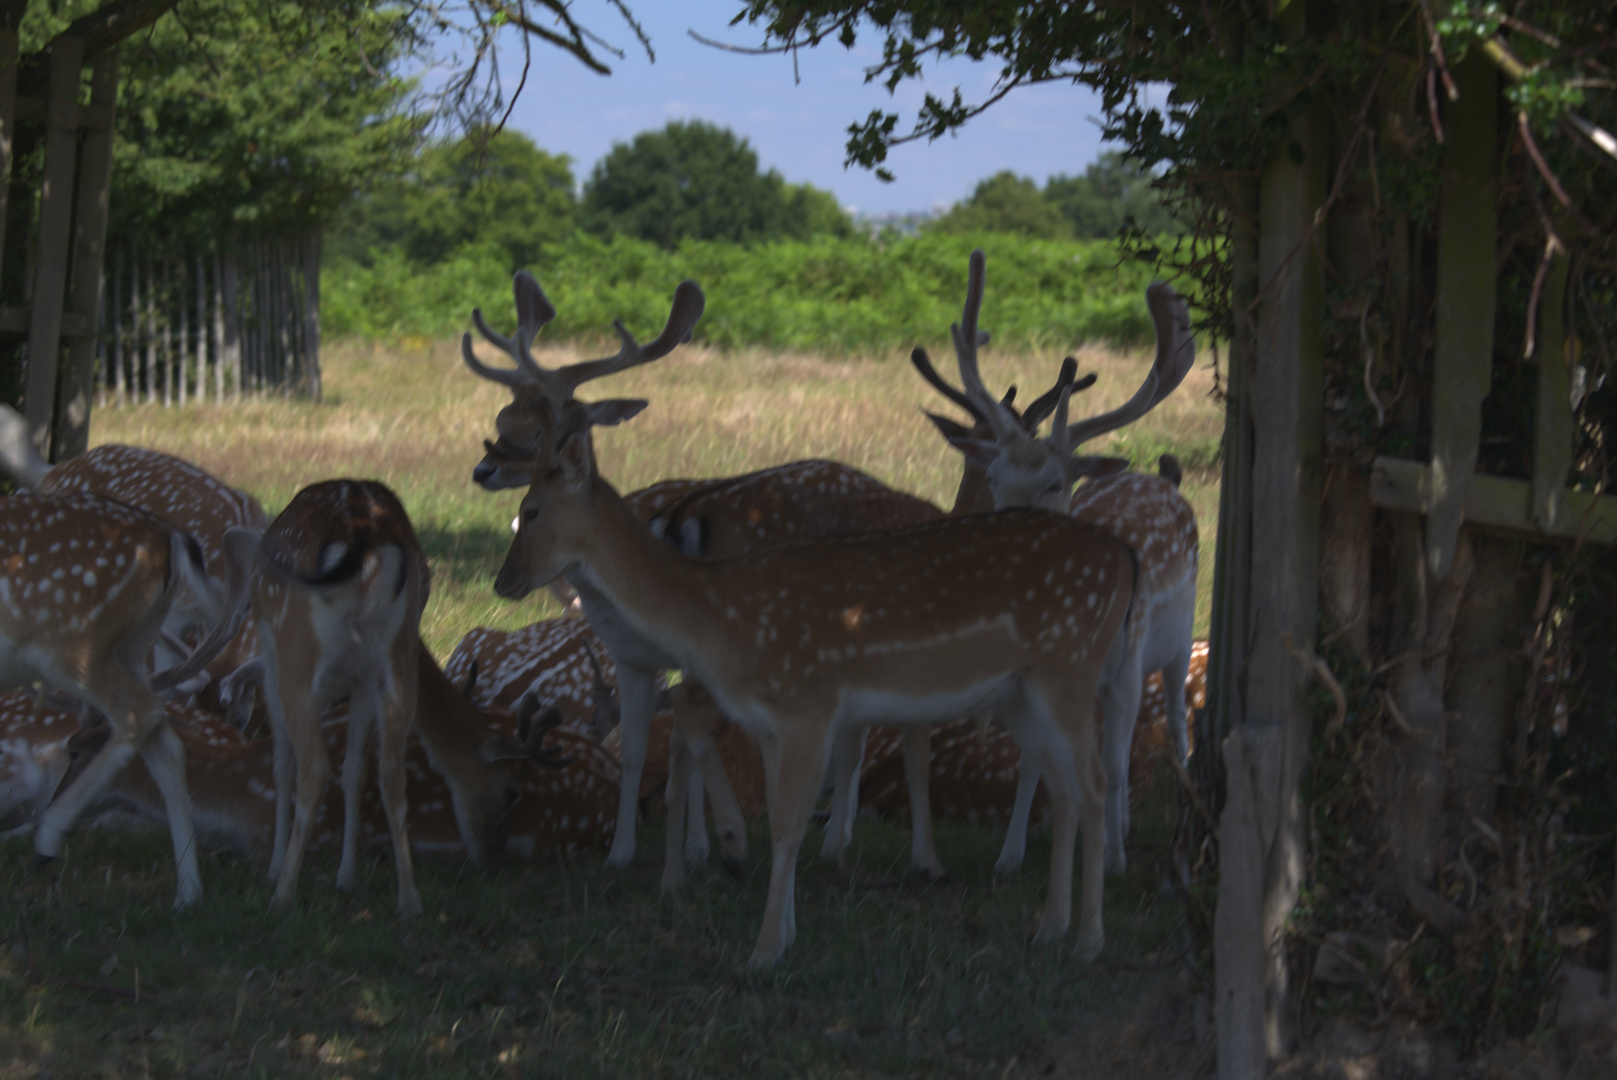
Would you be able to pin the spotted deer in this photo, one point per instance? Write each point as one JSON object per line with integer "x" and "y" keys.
{"x": 568, "y": 785}
{"x": 974, "y": 766}
{"x": 711, "y": 518}
{"x": 85, "y": 586}
{"x": 1020, "y": 469}
{"x": 798, "y": 641}
{"x": 182, "y": 494}
{"x": 339, "y": 597}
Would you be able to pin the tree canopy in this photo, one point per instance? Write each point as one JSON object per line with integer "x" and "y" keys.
{"x": 1005, "y": 203}
{"x": 235, "y": 113}
{"x": 694, "y": 180}
{"x": 499, "y": 189}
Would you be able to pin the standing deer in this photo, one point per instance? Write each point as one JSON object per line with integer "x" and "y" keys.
{"x": 1012, "y": 612}
{"x": 339, "y": 598}
{"x": 85, "y": 586}
{"x": 1147, "y": 512}
{"x": 714, "y": 518}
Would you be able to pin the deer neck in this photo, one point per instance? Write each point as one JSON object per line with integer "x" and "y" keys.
{"x": 973, "y": 496}
{"x": 672, "y": 600}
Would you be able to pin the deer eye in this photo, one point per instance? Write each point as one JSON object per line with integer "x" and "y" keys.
{"x": 529, "y": 514}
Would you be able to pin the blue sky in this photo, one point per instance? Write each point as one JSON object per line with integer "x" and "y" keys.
{"x": 798, "y": 129}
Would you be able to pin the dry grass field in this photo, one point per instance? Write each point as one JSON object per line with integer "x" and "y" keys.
{"x": 415, "y": 418}
{"x": 568, "y": 969}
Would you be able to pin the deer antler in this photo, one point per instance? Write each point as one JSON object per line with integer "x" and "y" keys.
{"x": 534, "y": 310}
{"x": 1176, "y": 352}
{"x": 967, "y": 339}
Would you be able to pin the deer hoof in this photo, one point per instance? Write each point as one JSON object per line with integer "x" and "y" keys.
{"x": 735, "y": 866}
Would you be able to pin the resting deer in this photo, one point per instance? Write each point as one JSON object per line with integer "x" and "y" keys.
{"x": 187, "y": 497}
{"x": 569, "y": 786}
{"x": 1147, "y": 512}
{"x": 914, "y": 625}
{"x": 85, "y": 586}
{"x": 714, "y": 518}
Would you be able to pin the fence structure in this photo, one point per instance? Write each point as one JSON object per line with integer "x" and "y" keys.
{"x": 238, "y": 319}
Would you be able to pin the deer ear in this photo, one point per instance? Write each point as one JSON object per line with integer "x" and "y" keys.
{"x": 614, "y": 411}
{"x": 980, "y": 452}
{"x": 949, "y": 429}
{"x": 1094, "y": 467}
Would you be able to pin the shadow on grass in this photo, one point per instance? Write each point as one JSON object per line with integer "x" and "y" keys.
{"x": 463, "y": 557}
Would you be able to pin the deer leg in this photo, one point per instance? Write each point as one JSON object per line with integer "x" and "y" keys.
{"x": 133, "y": 712}
{"x": 727, "y": 818}
{"x": 637, "y": 692}
{"x": 800, "y": 751}
{"x": 695, "y": 803}
{"x": 1015, "y": 848}
{"x": 1120, "y": 707}
{"x": 1174, "y": 675}
{"x": 301, "y": 723}
{"x": 918, "y": 776}
{"x": 393, "y": 732}
{"x": 363, "y": 709}
{"x": 679, "y": 771}
{"x": 847, "y": 758}
{"x": 164, "y": 756}
{"x": 1092, "y": 812}
{"x": 285, "y": 760}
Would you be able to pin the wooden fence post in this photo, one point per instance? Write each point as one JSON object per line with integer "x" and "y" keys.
{"x": 55, "y": 221}
{"x": 72, "y": 427}
{"x": 1262, "y": 848}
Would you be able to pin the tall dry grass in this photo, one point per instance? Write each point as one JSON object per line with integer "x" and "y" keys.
{"x": 415, "y": 418}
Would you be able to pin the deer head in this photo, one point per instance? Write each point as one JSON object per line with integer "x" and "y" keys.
{"x": 1020, "y": 468}
{"x": 539, "y": 395}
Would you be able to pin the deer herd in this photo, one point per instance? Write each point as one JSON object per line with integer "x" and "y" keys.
{"x": 149, "y": 609}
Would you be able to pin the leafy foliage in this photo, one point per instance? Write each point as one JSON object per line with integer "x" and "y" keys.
{"x": 1113, "y": 195}
{"x": 1005, "y": 203}
{"x": 235, "y": 113}
{"x": 825, "y": 294}
{"x": 501, "y": 189}
{"x": 696, "y": 181}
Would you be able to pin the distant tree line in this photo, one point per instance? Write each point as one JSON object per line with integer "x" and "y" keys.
{"x": 1114, "y": 195}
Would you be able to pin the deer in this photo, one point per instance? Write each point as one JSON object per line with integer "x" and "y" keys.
{"x": 338, "y": 599}
{"x": 1019, "y": 469}
{"x": 85, "y": 586}
{"x": 569, "y": 785}
{"x": 709, "y": 518}
{"x": 1012, "y": 611}
{"x": 182, "y": 494}
{"x": 974, "y": 766}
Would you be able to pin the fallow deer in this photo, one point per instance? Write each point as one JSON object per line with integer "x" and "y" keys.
{"x": 1012, "y": 612}
{"x": 182, "y": 494}
{"x": 799, "y": 501}
{"x": 974, "y": 766}
{"x": 85, "y": 585}
{"x": 1146, "y": 512}
{"x": 339, "y": 598}
{"x": 569, "y": 787}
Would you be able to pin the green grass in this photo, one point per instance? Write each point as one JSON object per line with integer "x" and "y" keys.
{"x": 558, "y": 969}
{"x": 570, "y": 969}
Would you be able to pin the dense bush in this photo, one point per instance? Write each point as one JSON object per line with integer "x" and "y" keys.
{"x": 825, "y": 294}
{"x": 697, "y": 181}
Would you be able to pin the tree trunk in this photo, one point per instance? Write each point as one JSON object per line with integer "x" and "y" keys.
{"x": 230, "y": 331}
{"x": 182, "y": 326}
{"x": 117, "y": 330}
{"x": 202, "y": 329}
{"x": 311, "y": 312}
